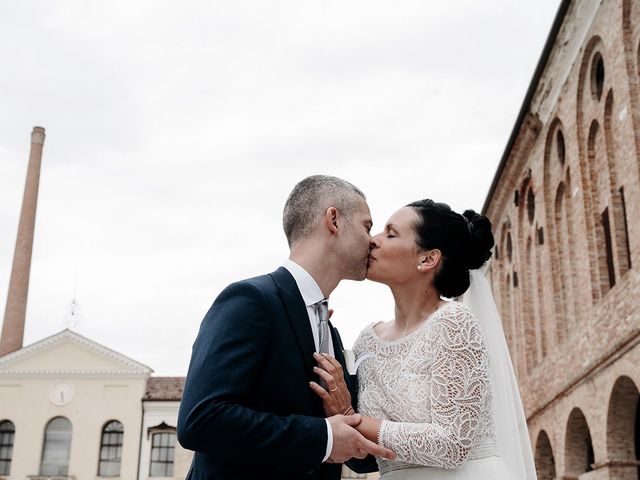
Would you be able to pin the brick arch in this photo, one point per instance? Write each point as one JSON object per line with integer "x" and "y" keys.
{"x": 631, "y": 40}
{"x": 524, "y": 226}
{"x": 542, "y": 322}
{"x": 554, "y": 192}
{"x": 623, "y": 426}
{"x": 524, "y": 334}
{"x": 610, "y": 139}
{"x": 530, "y": 308}
{"x": 551, "y": 155}
{"x": 586, "y": 112}
{"x": 508, "y": 315}
{"x": 578, "y": 455}
{"x": 617, "y": 191}
{"x": 544, "y": 459}
{"x": 503, "y": 241}
{"x": 504, "y": 282}
{"x": 602, "y": 268}
{"x": 572, "y": 275}
{"x": 629, "y": 29}
{"x": 563, "y": 281}
{"x": 508, "y": 321}
{"x": 584, "y": 99}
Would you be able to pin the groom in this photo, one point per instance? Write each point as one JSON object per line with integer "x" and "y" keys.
{"x": 247, "y": 408}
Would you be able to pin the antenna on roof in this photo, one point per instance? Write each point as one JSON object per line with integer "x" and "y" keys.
{"x": 73, "y": 316}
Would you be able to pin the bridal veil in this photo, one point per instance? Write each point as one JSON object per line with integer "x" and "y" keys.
{"x": 512, "y": 437}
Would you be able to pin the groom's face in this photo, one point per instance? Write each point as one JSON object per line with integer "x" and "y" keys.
{"x": 356, "y": 242}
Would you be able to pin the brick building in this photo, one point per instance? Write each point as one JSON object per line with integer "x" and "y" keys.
{"x": 564, "y": 204}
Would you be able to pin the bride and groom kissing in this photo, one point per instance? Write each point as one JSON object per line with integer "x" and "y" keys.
{"x": 268, "y": 395}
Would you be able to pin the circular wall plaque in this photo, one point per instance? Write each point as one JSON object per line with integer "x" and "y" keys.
{"x": 61, "y": 393}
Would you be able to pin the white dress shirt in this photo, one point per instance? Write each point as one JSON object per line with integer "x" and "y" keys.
{"x": 311, "y": 294}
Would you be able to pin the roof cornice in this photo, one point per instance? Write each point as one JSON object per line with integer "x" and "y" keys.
{"x": 129, "y": 367}
{"x": 526, "y": 104}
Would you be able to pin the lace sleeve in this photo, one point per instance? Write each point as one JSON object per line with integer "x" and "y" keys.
{"x": 459, "y": 385}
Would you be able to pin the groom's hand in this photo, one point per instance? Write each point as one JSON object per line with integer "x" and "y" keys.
{"x": 349, "y": 443}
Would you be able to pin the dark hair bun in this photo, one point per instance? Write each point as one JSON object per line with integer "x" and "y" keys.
{"x": 481, "y": 240}
{"x": 464, "y": 240}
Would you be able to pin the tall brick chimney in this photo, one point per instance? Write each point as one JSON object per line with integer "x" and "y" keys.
{"x": 15, "y": 311}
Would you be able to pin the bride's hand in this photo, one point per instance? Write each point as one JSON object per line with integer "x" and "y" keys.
{"x": 336, "y": 398}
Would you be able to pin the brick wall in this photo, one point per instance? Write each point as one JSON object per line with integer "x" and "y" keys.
{"x": 566, "y": 276}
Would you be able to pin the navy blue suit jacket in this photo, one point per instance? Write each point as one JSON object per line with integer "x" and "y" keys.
{"x": 247, "y": 409}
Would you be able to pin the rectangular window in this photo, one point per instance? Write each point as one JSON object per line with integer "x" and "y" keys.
{"x": 162, "y": 454}
{"x": 608, "y": 247}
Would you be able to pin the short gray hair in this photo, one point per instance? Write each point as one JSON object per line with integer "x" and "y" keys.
{"x": 310, "y": 198}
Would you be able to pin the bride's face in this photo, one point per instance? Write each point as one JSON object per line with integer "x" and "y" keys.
{"x": 394, "y": 256}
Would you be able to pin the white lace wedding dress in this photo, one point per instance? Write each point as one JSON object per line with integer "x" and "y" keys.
{"x": 432, "y": 390}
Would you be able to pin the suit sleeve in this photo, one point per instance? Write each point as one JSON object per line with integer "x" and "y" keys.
{"x": 226, "y": 360}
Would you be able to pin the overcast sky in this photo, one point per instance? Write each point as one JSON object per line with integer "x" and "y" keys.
{"x": 176, "y": 130}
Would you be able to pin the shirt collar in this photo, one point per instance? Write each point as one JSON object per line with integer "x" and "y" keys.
{"x": 308, "y": 287}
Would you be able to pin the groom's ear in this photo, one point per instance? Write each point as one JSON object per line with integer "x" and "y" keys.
{"x": 331, "y": 219}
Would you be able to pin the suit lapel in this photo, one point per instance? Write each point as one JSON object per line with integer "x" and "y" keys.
{"x": 297, "y": 314}
{"x": 338, "y": 349}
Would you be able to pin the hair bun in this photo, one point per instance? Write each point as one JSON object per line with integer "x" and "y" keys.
{"x": 481, "y": 241}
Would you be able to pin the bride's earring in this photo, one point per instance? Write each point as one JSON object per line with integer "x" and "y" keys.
{"x": 419, "y": 267}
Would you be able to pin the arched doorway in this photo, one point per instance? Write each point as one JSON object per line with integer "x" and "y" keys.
{"x": 623, "y": 428}
{"x": 579, "y": 455}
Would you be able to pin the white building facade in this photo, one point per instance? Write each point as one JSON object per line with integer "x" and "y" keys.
{"x": 72, "y": 409}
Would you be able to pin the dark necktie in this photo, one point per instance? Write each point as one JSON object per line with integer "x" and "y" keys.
{"x": 322, "y": 311}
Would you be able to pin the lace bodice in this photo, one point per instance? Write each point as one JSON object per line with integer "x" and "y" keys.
{"x": 431, "y": 389}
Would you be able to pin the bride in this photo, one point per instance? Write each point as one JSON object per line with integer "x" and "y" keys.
{"x": 436, "y": 384}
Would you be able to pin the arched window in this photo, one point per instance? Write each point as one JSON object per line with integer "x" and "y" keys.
{"x": 597, "y": 76}
{"x": 162, "y": 452}
{"x": 111, "y": 449}
{"x": 530, "y": 308}
{"x": 619, "y": 227}
{"x": 57, "y": 447}
{"x": 7, "y": 432}
{"x": 560, "y": 147}
{"x": 531, "y": 205}
{"x": 601, "y": 194}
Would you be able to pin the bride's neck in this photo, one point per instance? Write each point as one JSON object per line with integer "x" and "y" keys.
{"x": 414, "y": 303}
